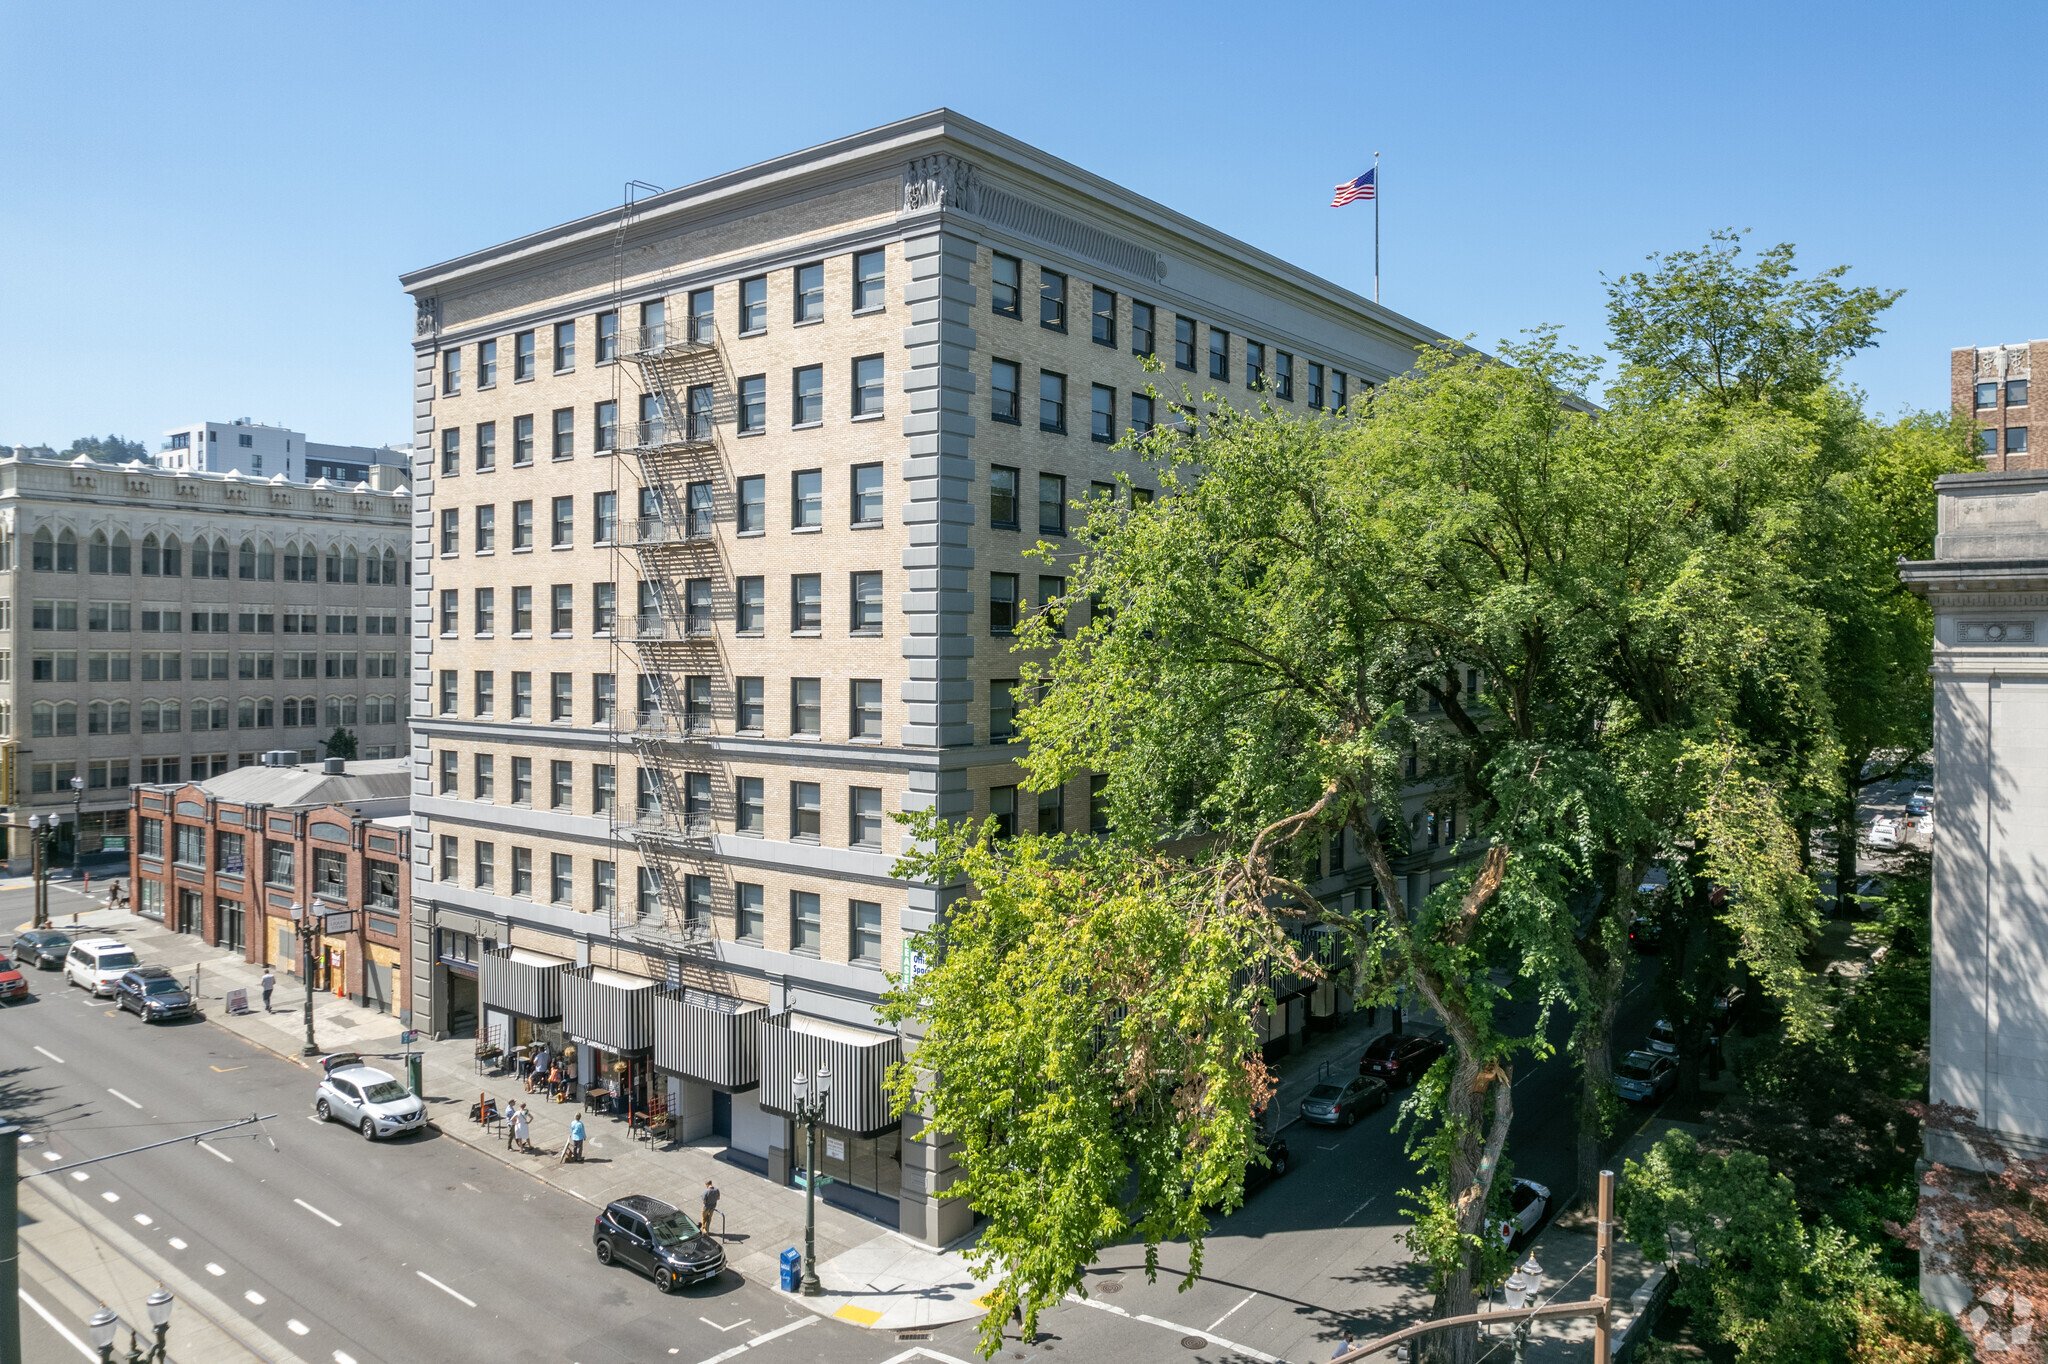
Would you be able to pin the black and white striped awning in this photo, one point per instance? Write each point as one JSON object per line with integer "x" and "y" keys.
{"x": 709, "y": 1038}
{"x": 860, "y": 1059}
{"x": 608, "y": 1009}
{"x": 522, "y": 982}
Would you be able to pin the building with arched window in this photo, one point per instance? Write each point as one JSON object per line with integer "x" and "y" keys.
{"x": 257, "y": 451}
{"x": 163, "y": 625}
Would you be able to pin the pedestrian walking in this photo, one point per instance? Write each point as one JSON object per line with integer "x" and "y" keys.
{"x": 1343, "y": 1348}
{"x": 522, "y": 1128}
{"x": 710, "y": 1197}
{"x": 269, "y": 984}
{"x": 576, "y": 1139}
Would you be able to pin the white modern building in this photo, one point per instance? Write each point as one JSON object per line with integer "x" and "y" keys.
{"x": 258, "y": 451}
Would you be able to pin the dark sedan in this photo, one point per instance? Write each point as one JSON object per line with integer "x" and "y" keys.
{"x": 1402, "y": 1060}
{"x": 648, "y": 1235}
{"x": 153, "y": 995}
{"x": 1341, "y": 1105}
{"x": 42, "y": 948}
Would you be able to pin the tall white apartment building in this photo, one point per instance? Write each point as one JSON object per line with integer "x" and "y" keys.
{"x": 160, "y": 625}
{"x": 258, "y": 451}
{"x": 722, "y": 504}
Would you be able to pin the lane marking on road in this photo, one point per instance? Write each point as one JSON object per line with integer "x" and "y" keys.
{"x": 52, "y": 1055}
{"x": 177, "y": 1243}
{"x": 214, "y": 1269}
{"x": 716, "y": 1327}
{"x": 254, "y": 1297}
{"x": 51, "y": 1155}
{"x": 80, "y": 1175}
{"x": 342, "y": 1357}
{"x": 759, "y": 1340}
{"x": 111, "y": 1197}
{"x": 143, "y": 1219}
{"x": 1357, "y": 1210}
{"x": 217, "y": 1151}
{"x": 124, "y": 1098}
{"x": 315, "y": 1117}
{"x": 297, "y": 1327}
{"x": 316, "y": 1212}
{"x": 59, "y": 1327}
{"x": 444, "y": 1288}
{"x": 1175, "y": 1327}
{"x": 919, "y": 1352}
{"x": 225, "y": 1070}
{"x": 1226, "y": 1316}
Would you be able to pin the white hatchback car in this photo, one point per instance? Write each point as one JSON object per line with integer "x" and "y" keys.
{"x": 366, "y": 1099}
{"x": 96, "y": 963}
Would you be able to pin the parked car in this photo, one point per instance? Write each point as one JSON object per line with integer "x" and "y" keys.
{"x": 96, "y": 963}
{"x": 367, "y": 1099}
{"x": 153, "y": 994}
{"x": 1401, "y": 1061}
{"x": 1340, "y": 1105}
{"x": 1528, "y": 1201}
{"x": 1884, "y": 832}
{"x": 648, "y": 1235}
{"x": 42, "y": 948}
{"x": 1645, "y": 934}
{"x": 1922, "y": 799}
{"x": 1257, "y": 1176}
{"x": 1645, "y": 1076}
{"x": 1663, "y": 1038}
{"x": 13, "y": 984}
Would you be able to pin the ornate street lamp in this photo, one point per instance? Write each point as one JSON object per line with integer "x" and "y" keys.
{"x": 1520, "y": 1291}
{"x": 159, "y": 1305}
{"x": 36, "y": 869}
{"x": 103, "y": 1326}
{"x": 306, "y": 942}
{"x": 810, "y": 1094}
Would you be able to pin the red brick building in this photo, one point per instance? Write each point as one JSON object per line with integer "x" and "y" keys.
{"x": 1989, "y": 384}
{"x": 227, "y": 859}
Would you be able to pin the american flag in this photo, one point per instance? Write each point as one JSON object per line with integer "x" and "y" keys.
{"x": 1361, "y": 188}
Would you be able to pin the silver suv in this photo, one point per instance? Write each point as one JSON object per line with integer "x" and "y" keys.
{"x": 368, "y": 1100}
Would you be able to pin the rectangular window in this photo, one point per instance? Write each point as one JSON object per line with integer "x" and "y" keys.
{"x": 870, "y": 275}
{"x": 1141, "y": 328}
{"x": 703, "y": 320}
{"x": 522, "y": 611}
{"x": 750, "y": 694}
{"x": 604, "y": 517}
{"x": 1254, "y": 364}
{"x": 1006, "y": 286}
{"x": 865, "y": 812}
{"x": 561, "y": 696}
{"x": 1340, "y": 389}
{"x": 1102, "y": 414}
{"x": 561, "y": 878}
{"x": 1050, "y": 590}
{"x": 867, "y": 708}
{"x": 1002, "y": 603}
{"x": 804, "y": 812}
{"x": 486, "y": 693}
{"x": 487, "y": 364}
{"x": 563, "y": 523}
{"x": 751, "y": 923}
{"x": 753, "y": 305}
{"x": 697, "y": 704}
{"x": 806, "y": 608}
{"x": 1052, "y": 504}
{"x": 867, "y": 604}
{"x": 604, "y": 607}
{"x": 1002, "y": 710}
{"x": 604, "y": 788}
{"x": 565, "y": 433}
{"x": 867, "y": 386}
{"x": 604, "y": 886}
{"x": 1283, "y": 374}
{"x": 607, "y": 337}
{"x": 449, "y": 688}
{"x": 753, "y": 404}
{"x": 807, "y": 930}
{"x": 807, "y": 396}
{"x": 1987, "y": 441}
{"x": 522, "y": 696}
{"x": 867, "y": 494}
{"x": 1184, "y": 343}
{"x": 1098, "y": 804}
{"x": 653, "y": 325}
{"x": 485, "y": 783}
{"x": 604, "y": 698}
{"x": 451, "y": 373}
{"x": 486, "y": 861}
{"x": 522, "y": 442}
{"x": 750, "y": 815}
{"x": 605, "y": 427}
{"x": 805, "y": 711}
{"x": 1315, "y": 386}
{"x": 810, "y": 293}
{"x": 451, "y": 532}
{"x": 522, "y": 356}
{"x": 2015, "y": 392}
{"x": 1002, "y": 391}
{"x": 565, "y": 347}
{"x": 522, "y": 781}
{"x": 699, "y": 509}
{"x": 700, "y": 413}
{"x": 1219, "y": 353}
{"x": 2015, "y": 440}
{"x": 1987, "y": 395}
{"x": 1002, "y": 497}
{"x": 1052, "y": 811}
{"x": 1002, "y": 805}
{"x": 753, "y": 505}
{"x": 1141, "y": 413}
{"x": 450, "y": 859}
{"x": 451, "y": 452}
{"x": 1102, "y": 318}
{"x": 1052, "y": 401}
{"x": 1052, "y": 300}
{"x": 486, "y": 610}
{"x": 807, "y": 498}
{"x": 751, "y": 605}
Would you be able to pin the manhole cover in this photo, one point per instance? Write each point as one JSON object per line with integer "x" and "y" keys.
{"x": 1194, "y": 1342}
{"x": 1109, "y": 1286}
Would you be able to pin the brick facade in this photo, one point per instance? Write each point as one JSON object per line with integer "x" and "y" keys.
{"x": 1991, "y": 385}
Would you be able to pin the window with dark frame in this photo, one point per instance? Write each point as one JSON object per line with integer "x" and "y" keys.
{"x": 753, "y": 305}
{"x": 806, "y": 712}
{"x": 1283, "y": 375}
{"x": 806, "y": 607}
{"x": 1184, "y": 343}
{"x": 867, "y": 707}
{"x": 870, "y": 277}
{"x": 807, "y": 930}
{"x": 866, "y": 616}
{"x": 1142, "y": 318}
{"x": 522, "y": 356}
{"x": 1102, "y": 414}
{"x": 753, "y": 504}
{"x": 1052, "y": 300}
{"x": 607, "y": 337}
{"x": 1315, "y": 386}
{"x": 1002, "y": 806}
{"x": 752, "y": 699}
{"x": 1052, "y": 402}
{"x": 486, "y": 447}
{"x": 810, "y": 292}
{"x": 1987, "y": 395}
{"x": 1002, "y": 603}
{"x": 1102, "y": 317}
{"x": 807, "y": 498}
{"x": 1006, "y": 285}
{"x": 1002, "y": 496}
{"x": 1002, "y": 710}
{"x": 1052, "y": 504}
{"x": 1141, "y": 413}
{"x": 2015, "y": 392}
{"x": 753, "y": 404}
{"x": 1219, "y": 353}
{"x": 565, "y": 433}
{"x": 868, "y": 386}
{"x": 750, "y": 815}
{"x": 750, "y": 597}
{"x": 867, "y": 494}
{"x": 451, "y": 373}
{"x": 807, "y": 396}
{"x": 487, "y": 364}
{"x": 1254, "y": 364}
{"x": 565, "y": 347}
{"x": 522, "y": 442}
{"x": 864, "y": 817}
{"x": 1003, "y": 383}
{"x": 703, "y": 319}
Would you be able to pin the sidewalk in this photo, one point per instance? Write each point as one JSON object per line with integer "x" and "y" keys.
{"x": 874, "y": 1276}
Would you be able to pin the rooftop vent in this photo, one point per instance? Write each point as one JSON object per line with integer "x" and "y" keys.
{"x": 281, "y": 757}
{"x": 334, "y": 767}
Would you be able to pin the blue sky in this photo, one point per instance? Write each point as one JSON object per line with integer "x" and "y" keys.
{"x": 207, "y": 207}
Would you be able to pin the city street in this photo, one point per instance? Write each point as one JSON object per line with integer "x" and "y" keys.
{"x": 424, "y": 1248}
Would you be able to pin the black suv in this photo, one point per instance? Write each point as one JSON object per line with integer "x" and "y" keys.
{"x": 656, "y": 1239}
{"x": 153, "y": 994}
{"x": 1401, "y": 1060}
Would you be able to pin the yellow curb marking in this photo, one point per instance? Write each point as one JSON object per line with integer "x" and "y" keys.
{"x": 225, "y": 1070}
{"x": 859, "y": 1316}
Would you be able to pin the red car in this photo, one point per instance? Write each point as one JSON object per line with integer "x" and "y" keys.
{"x": 13, "y": 985}
{"x": 1401, "y": 1060}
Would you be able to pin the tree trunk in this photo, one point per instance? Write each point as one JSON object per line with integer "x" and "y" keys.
{"x": 1847, "y": 827}
{"x": 1594, "y": 1041}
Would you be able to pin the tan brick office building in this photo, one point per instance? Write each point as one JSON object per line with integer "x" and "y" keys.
{"x": 1990, "y": 385}
{"x": 721, "y": 510}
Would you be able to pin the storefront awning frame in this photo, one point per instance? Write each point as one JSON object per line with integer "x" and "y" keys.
{"x": 859, "y": 1102}
{"x": 709, "y": 1039}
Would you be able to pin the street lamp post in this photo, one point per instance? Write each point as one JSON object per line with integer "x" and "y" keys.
{"x": 159, "y": 1305}
{"x": 77, "y": 821}
{"x": 103, "y": 1326}
{"x": 306, "y": 941}
{"x": 810, "y": 1093}
{"x": 1520, "y": 1291}
{"x": 35, "y": 847}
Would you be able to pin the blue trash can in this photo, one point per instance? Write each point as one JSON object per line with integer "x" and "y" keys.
{"x": 792, "y": 1268}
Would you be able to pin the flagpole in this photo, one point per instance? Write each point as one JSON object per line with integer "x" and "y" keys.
{"x": 1375, "y": 227}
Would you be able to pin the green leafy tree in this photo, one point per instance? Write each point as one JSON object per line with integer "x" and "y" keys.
{"x": 341, "y": 743}
{"x": 108, "y": 449}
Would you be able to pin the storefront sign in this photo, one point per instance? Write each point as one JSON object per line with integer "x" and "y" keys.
{"x": 115, "y": 843}
{"x": 835, "y": 1148}
{"x": 914, "y": 962}
{"x": 338, "y": 923}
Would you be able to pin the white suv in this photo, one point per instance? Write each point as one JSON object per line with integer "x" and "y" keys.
{"x": 366, "y": 1099}
{"x": 97, "y": 963}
